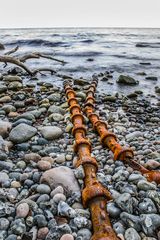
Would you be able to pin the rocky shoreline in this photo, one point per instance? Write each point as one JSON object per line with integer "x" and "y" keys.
{"x": 40, "y": 187}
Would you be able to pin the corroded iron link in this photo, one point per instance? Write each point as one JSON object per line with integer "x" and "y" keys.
{"x": 94, "y": 195}
{"x": 109, "y": 140}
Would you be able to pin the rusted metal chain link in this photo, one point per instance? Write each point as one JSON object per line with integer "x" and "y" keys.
{"x": 94, "y": 195}
{"x": 109, "y": 140}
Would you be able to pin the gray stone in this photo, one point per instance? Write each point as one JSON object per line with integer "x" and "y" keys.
{"x": 22, "y": 133}
{"x": 127, "y": 80}
{"x": 119, "y": 228}
{"x": 131, "y": 220}
{"x": 40, "y": 220}
{"x": 43, "y": 188}
{"x": 6, "y": 165}
{"x": 3, "y": 177}
{"x": 131, "y": 234}
{"x": 18, "y": 226}
{"x": 51, "y": 132}
{"x": 134, "y": 135}
{"x": 84, "y": 233}
{"x": 59, "y": 197}
{"x": 57, "y": 117}
{"x": 82, "y": 222}
{"x": 147, "y": 206}
{"x": 56, "y": 109}
{"x": 150, "y": 222}
{"x": 144, "y": 185}
{"x": 113, "y": 210}
{"x": 4, "y": 223}
{"x": 61, "y": 176}
{"x": 124, "y": 202}
{"x": 54, "y": 97}
{"x": 135, "y": 178}
{"x": 65, "y": 210}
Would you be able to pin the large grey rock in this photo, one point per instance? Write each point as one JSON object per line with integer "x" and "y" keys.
{"x": 51, "y": 132}
{"x": 61, "y": 176}
{"x": 127, "y": 80}
{"x": 22, "y": 133}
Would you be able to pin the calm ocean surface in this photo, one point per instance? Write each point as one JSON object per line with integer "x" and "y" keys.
{"x": 109, "y": 49}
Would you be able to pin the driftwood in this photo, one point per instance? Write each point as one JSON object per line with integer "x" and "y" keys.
{"x": 19, "y": 61}
{"x": 40, "y": 55}
{"x": 44, "y": 70}
{"x": 13, "y": 60}
{"x": 12, "y": 50}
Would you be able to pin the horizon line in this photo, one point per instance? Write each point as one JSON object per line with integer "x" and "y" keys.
{"x": 10, "y": 28}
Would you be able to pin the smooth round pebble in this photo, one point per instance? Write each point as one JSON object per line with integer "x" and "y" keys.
{"x": 67, "y": 237}
{"x": 59, "y": 197}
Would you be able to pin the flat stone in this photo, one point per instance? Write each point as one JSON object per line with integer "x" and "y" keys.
{"x": 51, "y": 132}
{"x": 61, "y": 176}
{"x": 21, "y": 133}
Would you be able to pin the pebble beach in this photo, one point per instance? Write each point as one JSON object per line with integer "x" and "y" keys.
{"x": 40, "y": 186}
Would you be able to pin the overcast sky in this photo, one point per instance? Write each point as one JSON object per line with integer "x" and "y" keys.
{"x": 79, "y": 13}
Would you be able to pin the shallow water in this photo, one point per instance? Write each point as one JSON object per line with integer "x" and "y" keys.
{"x": 110, "y": 49}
